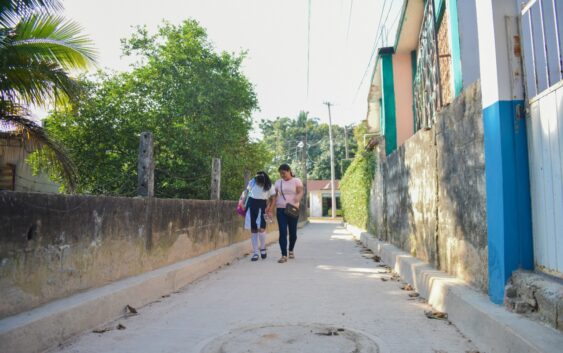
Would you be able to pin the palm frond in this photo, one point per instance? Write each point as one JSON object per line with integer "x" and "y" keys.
{"x": 12, "y": 10}
{"x": 35, "y": 136}
{"x": 50, "y": 38}
{"x": 38, "y": 84}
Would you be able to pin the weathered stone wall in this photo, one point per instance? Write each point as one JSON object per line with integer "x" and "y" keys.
{"x": 377, "y": 221}
{"x": 410, "y": 196}
{"x": 428, "y": 197}
{"x": 52, "y": 246}
{"x": 462, "y": 218}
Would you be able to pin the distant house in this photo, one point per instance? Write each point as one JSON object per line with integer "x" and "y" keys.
{"x": 320, "y": 198}
{"x": 15, "y": 173}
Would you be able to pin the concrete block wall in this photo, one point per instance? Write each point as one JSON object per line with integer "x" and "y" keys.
{"x": 52, "y": 246}
{"x": 428, "y": 197}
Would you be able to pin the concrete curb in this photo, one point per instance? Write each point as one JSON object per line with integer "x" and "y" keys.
{"x": 489, "y": 326}
{"x": 50, "y": 325}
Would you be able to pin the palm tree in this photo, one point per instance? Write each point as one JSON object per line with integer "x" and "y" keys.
{"x": 38, "y": 48}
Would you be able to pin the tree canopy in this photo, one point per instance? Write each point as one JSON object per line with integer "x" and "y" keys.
{"x": 284, "y": 135}
{"x": 37, "y": 50}
{"x": 195, "y": 101}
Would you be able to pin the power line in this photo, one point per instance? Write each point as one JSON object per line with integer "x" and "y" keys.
{"x": 308, "y": 45}
{"x": 349, "y": 20}
{"x": 374, "y": 48}
{"x": 395, "y": 20}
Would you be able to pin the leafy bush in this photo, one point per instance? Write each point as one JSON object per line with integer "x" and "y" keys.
{"x": 356, "y": 184}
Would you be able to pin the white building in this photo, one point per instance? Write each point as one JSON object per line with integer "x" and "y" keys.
{"x": 320, "y": 198}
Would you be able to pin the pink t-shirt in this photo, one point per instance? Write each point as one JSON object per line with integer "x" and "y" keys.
{"x": 289, "y": 190}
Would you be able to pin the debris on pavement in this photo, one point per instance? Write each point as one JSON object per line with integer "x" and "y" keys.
{"x": 407, "y": 287}
{"x": 121, "y": 327}
{"x": 414, "y": 295}
{"x": 165, "y": 296}
{"x": 384, "y": 279}
{"x": 131, "y": 309}
{"x": 376, "y": 258}
{"x": 102, "y": 330}
{"x": 330, "y": 332}
{"x": 395, "y": 277}
{"x": 437, "y": 315}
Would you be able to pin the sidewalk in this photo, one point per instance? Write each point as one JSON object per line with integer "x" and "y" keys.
{"x": 253, "y": 307}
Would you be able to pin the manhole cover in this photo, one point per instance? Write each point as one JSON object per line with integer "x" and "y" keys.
{"x": 292, "y": 338}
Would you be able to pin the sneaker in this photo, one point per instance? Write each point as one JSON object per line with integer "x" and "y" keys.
{"x": 263, "y": 253}
{"x": 282, "y": 259}
{"x": 291, "y": 255}
{"x": 254, "y": 257}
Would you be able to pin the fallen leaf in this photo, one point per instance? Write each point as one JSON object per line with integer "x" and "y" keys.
{"x": 102, "y": 330}
{"x": 414, "y": 295}
{"x": 131, "y": 309}
{"x": 436, "y": 315}
{"x": 121, "y": 327}
{"x": 407, "y": 287}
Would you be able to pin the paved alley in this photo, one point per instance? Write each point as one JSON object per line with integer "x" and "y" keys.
{"x": 269, "y": 307}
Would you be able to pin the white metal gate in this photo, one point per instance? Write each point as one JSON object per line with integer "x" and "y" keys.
{"x": 542, "y": 39}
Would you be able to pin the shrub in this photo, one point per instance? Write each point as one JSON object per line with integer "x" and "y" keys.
{"x": 356, "y": 184}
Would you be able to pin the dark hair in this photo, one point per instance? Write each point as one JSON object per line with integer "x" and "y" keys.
{"x": 287, "y": 168}
{"x": 263, "y": 180}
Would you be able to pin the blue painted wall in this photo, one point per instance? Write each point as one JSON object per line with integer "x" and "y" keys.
{"x": 508, "y": 194}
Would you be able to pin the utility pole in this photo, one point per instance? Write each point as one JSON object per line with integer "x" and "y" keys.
{"x": 346, "y": 140}
{"x": 304, "y": 176}
{"x": 333, "y": 196}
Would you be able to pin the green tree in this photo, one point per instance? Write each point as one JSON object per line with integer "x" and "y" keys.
{"x": 283, "y": 136}
{"x": 37, "y": 50}
{"x": 195, "y": 101}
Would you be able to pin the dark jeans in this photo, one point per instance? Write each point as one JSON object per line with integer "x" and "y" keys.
{"x": 285, "y": 222}
{"x": 256, "y": 205}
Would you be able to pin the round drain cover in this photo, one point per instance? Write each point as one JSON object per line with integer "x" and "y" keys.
{"x": 292, "y": 338}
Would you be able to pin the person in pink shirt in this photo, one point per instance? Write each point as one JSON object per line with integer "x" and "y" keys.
{"x": 289, "y": 189}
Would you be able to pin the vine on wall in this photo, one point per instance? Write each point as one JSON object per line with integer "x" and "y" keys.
{"x": 356, "y": 183}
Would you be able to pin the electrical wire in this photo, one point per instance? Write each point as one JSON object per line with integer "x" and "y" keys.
{"x": 308, "y": 45}
{"x": 349, "y": 20}
{"x": 395, "y": 21}
{"x": 375, "y": 43}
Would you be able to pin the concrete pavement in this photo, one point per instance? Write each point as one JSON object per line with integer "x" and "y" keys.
{"x": 329, "y": 296}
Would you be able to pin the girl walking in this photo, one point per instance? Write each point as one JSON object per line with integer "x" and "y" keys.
{"x": 289, "y": 190}
{"x": 260, "y": 195}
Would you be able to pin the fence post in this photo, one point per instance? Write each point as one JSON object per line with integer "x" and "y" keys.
{"x": 145, "y": 167}
{"x": 246, "y": 177}
{"x": 216, "y": 179}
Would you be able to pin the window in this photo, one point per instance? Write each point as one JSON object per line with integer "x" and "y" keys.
{"x": 8, "y": 177}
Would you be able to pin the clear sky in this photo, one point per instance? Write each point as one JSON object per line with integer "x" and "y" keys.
{"x": 274, "y": 32}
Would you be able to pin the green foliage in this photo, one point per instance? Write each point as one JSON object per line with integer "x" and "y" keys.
{"x": 37, "y": 50}
{"x": 283, "y": 135}
{"x": 356, "y": 184}
{"x": 195, "y": 101}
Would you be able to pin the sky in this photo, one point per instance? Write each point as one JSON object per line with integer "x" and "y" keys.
{"x": 275, "y": 35}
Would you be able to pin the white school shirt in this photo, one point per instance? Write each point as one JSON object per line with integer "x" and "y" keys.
{"x": 258, "y": 193}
